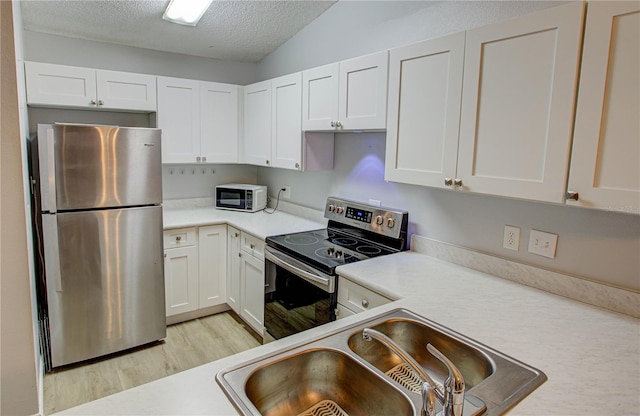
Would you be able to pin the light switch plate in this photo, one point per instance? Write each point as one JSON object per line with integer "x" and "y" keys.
{"x": 543, "y": 244}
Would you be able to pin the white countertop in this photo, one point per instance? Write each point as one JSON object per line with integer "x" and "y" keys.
{"x": 260, "y": 224}
{"x": 591, "y": 356}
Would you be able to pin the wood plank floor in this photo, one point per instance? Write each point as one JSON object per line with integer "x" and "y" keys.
{"x": 188, "y": 344}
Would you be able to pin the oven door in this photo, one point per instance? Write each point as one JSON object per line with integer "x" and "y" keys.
{"x": 297, "y": 296}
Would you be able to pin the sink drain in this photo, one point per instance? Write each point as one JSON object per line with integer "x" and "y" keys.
{"x": 407, "y": 378}
{"x": 324, "y": 408}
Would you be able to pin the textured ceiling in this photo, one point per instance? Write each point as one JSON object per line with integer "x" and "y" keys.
{"x": 242, "y": 30}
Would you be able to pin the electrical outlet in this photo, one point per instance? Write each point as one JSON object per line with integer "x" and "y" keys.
{"x": 511, "y": 239}
{"x": 543, "y": 244}
{"x": 286, "y": 194}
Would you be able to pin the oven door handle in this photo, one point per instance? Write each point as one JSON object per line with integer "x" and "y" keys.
{"x": 323, "y": 281}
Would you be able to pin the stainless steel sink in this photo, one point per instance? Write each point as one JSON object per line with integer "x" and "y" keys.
{"x": 413, "y": 336}
{"x": 349, "y": 376}
{"x": 322, "y": 378}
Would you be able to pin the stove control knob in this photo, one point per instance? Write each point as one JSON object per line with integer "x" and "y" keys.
{"x": 331, "y": 208}
{"x": 339, "y": 210}
{"x": 391, "y": 223}
{"x": 330, "y": 251}
{"x": 338, "y": 254}
{"x": 379, "y": 220}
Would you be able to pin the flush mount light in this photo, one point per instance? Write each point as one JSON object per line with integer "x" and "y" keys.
{"x": 186, "y": 12}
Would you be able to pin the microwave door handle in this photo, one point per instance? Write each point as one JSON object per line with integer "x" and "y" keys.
{"x": 276, "y": 259}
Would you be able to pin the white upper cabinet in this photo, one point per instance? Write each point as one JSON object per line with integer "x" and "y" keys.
{"x": 320, "y": 97}
{"x": 286, "y": 121}
{"x": 272, "y": 128}
{"x": 257, "y": 124}
{"x": 199, "y": 121}
{"x": 218, "y": 122}
{"x": 519, "y": 89}
{"x": 605, "y": 161}
{"x": 350, "y": 95}
{"x": 178, "y": 117}
{"x": 68, "y": 86}
{"x": 425, "y": 84}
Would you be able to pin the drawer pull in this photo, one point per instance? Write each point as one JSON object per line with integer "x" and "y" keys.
{"x": 365, "y": 303}
{"x": 178, "y": 238}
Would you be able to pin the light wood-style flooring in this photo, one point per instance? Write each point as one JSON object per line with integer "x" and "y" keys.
{"x": 188, "y": 344}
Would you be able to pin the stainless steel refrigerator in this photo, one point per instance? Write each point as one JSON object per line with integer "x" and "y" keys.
{"x": 98, "y": 195}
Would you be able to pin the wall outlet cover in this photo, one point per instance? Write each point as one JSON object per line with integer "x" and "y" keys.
{"x": 511, "y": 239}
{"x": 543, "y": 244}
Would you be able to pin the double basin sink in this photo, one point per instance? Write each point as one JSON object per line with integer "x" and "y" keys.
{"x": 342, "y": 374}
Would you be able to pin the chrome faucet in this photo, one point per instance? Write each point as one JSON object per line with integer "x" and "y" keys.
{"x": 451, "y": 398}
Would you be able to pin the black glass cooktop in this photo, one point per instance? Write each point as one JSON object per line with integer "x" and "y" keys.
{"x": 326, "y": 249}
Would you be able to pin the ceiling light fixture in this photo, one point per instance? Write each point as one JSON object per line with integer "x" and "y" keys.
{"x": 186, "y": 12}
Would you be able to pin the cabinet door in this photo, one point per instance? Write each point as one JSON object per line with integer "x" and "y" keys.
{"x": 605, "y": 162}
{"x": 181, "y": 279}
{"x": 517, "y": 104}
{"x": 126, "y": 91}
{"x": 233, "y": 269}
{"x": 286, "y": 108}
{"x": 257, "y": 124}
{"x": 218, "y": 122}
{"x": 362, "y": 95}
{"x": 425, "y": 92}
{"x": 252, "y": 291}
{"x": 212, "y": 257}
{"x": 320, "y": 97}
{"x": 178, "y": 117}
{"x": 60, "y": 85}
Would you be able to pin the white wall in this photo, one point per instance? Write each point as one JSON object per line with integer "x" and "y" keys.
{"x": 597, "y": 245}
{"x": 199, "y": 181}
{"x": 18, "y": 372}
{"x": 62, "y": 50}
{"x": 359, "y": 27}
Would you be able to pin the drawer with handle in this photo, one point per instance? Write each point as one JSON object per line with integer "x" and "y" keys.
{"x": 180, "y": 237}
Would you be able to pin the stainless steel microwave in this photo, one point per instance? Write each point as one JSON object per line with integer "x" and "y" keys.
{"x": 241, "y": 197}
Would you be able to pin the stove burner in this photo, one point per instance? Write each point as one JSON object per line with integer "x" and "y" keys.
{"x": 368, "y": 250}
{"x": 344, "y": 241}
{"x": 330, "y": 253}
{"x": 301, "y": 239}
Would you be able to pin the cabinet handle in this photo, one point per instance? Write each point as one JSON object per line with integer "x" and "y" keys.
{"x": 198, "y": 159}
{"x": 338, "y": 124}
{"x": 165, "y": 255}
{"x": 100, "y": 102}
{"x": 573, "y": 195}
{"x": 239, "y": 254}
{"x": 204, "y": 159}
{"x": 297, "y": 165}
{"x": 333, "y": 124}
{"x": 178, "y": 238}
{"x": 267, "y": 161}
{"x": 236, "y": 235}
{"x": 457, "y": 182}
{"x": 252, "y": 246}
{"x": 448, "y": 181}
{"x": 93, "y": 102}
{"x": 365, "y": 303}
{"x": 337, "y": 311}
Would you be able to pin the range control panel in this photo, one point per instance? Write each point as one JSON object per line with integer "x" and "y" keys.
{"x": 382, "y": 220}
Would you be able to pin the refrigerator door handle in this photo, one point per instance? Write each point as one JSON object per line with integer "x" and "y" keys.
{"x": 51, "y": 251}
{"x": 51, "y": 171}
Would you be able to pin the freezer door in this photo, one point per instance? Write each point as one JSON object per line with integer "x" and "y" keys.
{"x": 108, "y": 292}
{"x": 105, "y": 166}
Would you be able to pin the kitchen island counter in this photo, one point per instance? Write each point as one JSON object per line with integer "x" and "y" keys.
{"x": 590, "y": 355}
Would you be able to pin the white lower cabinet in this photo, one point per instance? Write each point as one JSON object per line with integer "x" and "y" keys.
{"x": 195, "y": 268}
{"x": 354, "y": 298}
{"x": 245, "y": 277}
